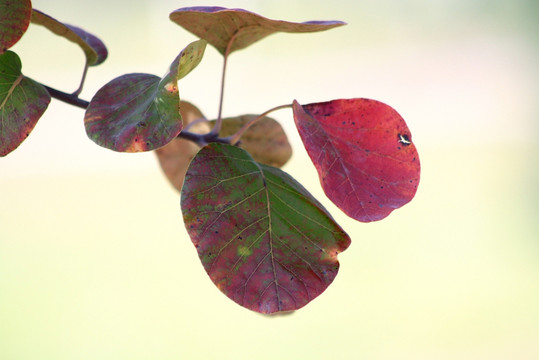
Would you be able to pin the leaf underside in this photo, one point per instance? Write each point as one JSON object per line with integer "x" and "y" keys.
{"x": 93, "y": 47}
{"x": 140, "y": 112}
{"x": 262, "y": 238}
{"x": 364, "y": 155}
{"x": 14, "y": 20}
{"x": 219, "y": 26}
{"x": 265, "y": 140}
{"x": 22, "y": 102}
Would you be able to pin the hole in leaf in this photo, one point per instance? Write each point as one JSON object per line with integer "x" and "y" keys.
{"x": 404, "y": 139}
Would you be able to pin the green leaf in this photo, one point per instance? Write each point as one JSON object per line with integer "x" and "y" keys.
{"x": 93, "y": 47}
{"x": 265, "y": 140}
{"x": 140, "y": 112}
{"x": 262, "y": 238}
{"x": 22, "y": 102}
{"x": 14, "y": 20}
{"x": 236, "y": 29}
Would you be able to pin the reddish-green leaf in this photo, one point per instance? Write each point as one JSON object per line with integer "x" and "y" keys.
{"x": 93, "y": 47}
{"x": 363, "y": 151}
{"x": 14, "y": 20}
{"x": 236, "y": 29}
{"x": 262, "y": 238}
{"x": 265, "y": 140}
{"x": 22, "y": 102}
{"x": 140, "y": 112}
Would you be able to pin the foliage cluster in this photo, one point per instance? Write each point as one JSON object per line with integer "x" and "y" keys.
{"x": 263, "y": 239}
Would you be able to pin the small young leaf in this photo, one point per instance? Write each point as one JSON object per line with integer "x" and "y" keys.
{"x": 93, "y": 47}
{"x": 140, "y": 112}
{"x": 221, "y": 26}
{"x": 262, "y": 238}
{"x": 14, "y": 20}
{"x": 265, "y": 140}
{"x": 22, "y": 102}
{"x": 363, "y": 151}
{"x": 175, "y": 156}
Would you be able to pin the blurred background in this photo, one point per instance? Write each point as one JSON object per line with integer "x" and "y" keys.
{"x": 95, "y": 262}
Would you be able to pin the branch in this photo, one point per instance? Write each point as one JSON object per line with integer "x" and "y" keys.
{"x": 72, "y": 99}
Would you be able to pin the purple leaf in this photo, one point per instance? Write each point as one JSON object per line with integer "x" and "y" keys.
{"x": 140, "y": 112}
{"x": 93, "y": 47}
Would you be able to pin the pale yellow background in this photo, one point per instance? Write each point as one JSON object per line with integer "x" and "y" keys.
{"x": 94, "y": 259}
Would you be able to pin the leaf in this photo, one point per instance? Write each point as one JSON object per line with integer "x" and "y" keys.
{"x": 221, "y": 26}
{"x": 175, "y": 156}
{"x": 14, "y": 21}
{"x": 140, "y": 112}
{"x": 22, "y": 102}
{"x": 364, "y": 155}
{"x": 265, "y": 140}
{"x": 262, "y": 238}
{"x": 93, "y": 47}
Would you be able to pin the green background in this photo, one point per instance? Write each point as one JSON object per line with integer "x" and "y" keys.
{"x": 95, "y": 262}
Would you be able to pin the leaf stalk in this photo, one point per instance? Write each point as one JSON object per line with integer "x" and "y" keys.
{"x": 217, "y": 127}
{"x": 234, "y": 139}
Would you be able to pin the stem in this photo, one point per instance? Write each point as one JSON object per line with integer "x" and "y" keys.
{"x": 218, "y": 122}
{"x": 79, "y": 90}
{"x": 217, "y": 127}
{"x": 194, "y": 122}
{"x": 236, "y": 137}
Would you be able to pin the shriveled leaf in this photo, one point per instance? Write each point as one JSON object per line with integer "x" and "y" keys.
{"x": 22, "y": 102}
{"x": 265, "y": 140}
{"x": 14, "y": 20}
{"x": 240, "y": 28}
{"x": 262, "y": 238}
{"x": 93, "y": 47}
{"x": 363, "y": 151}
{"x": 140, "y": 112}
{"x": 175, "y": 156}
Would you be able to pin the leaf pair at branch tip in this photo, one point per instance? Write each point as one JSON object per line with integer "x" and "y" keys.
{"x": 229, "y": 30}
{"x": 141, "y": 112}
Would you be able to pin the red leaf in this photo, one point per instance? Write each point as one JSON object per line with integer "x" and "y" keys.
{"x": 363, "y": 151}
{"x": 262, "y": 238}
